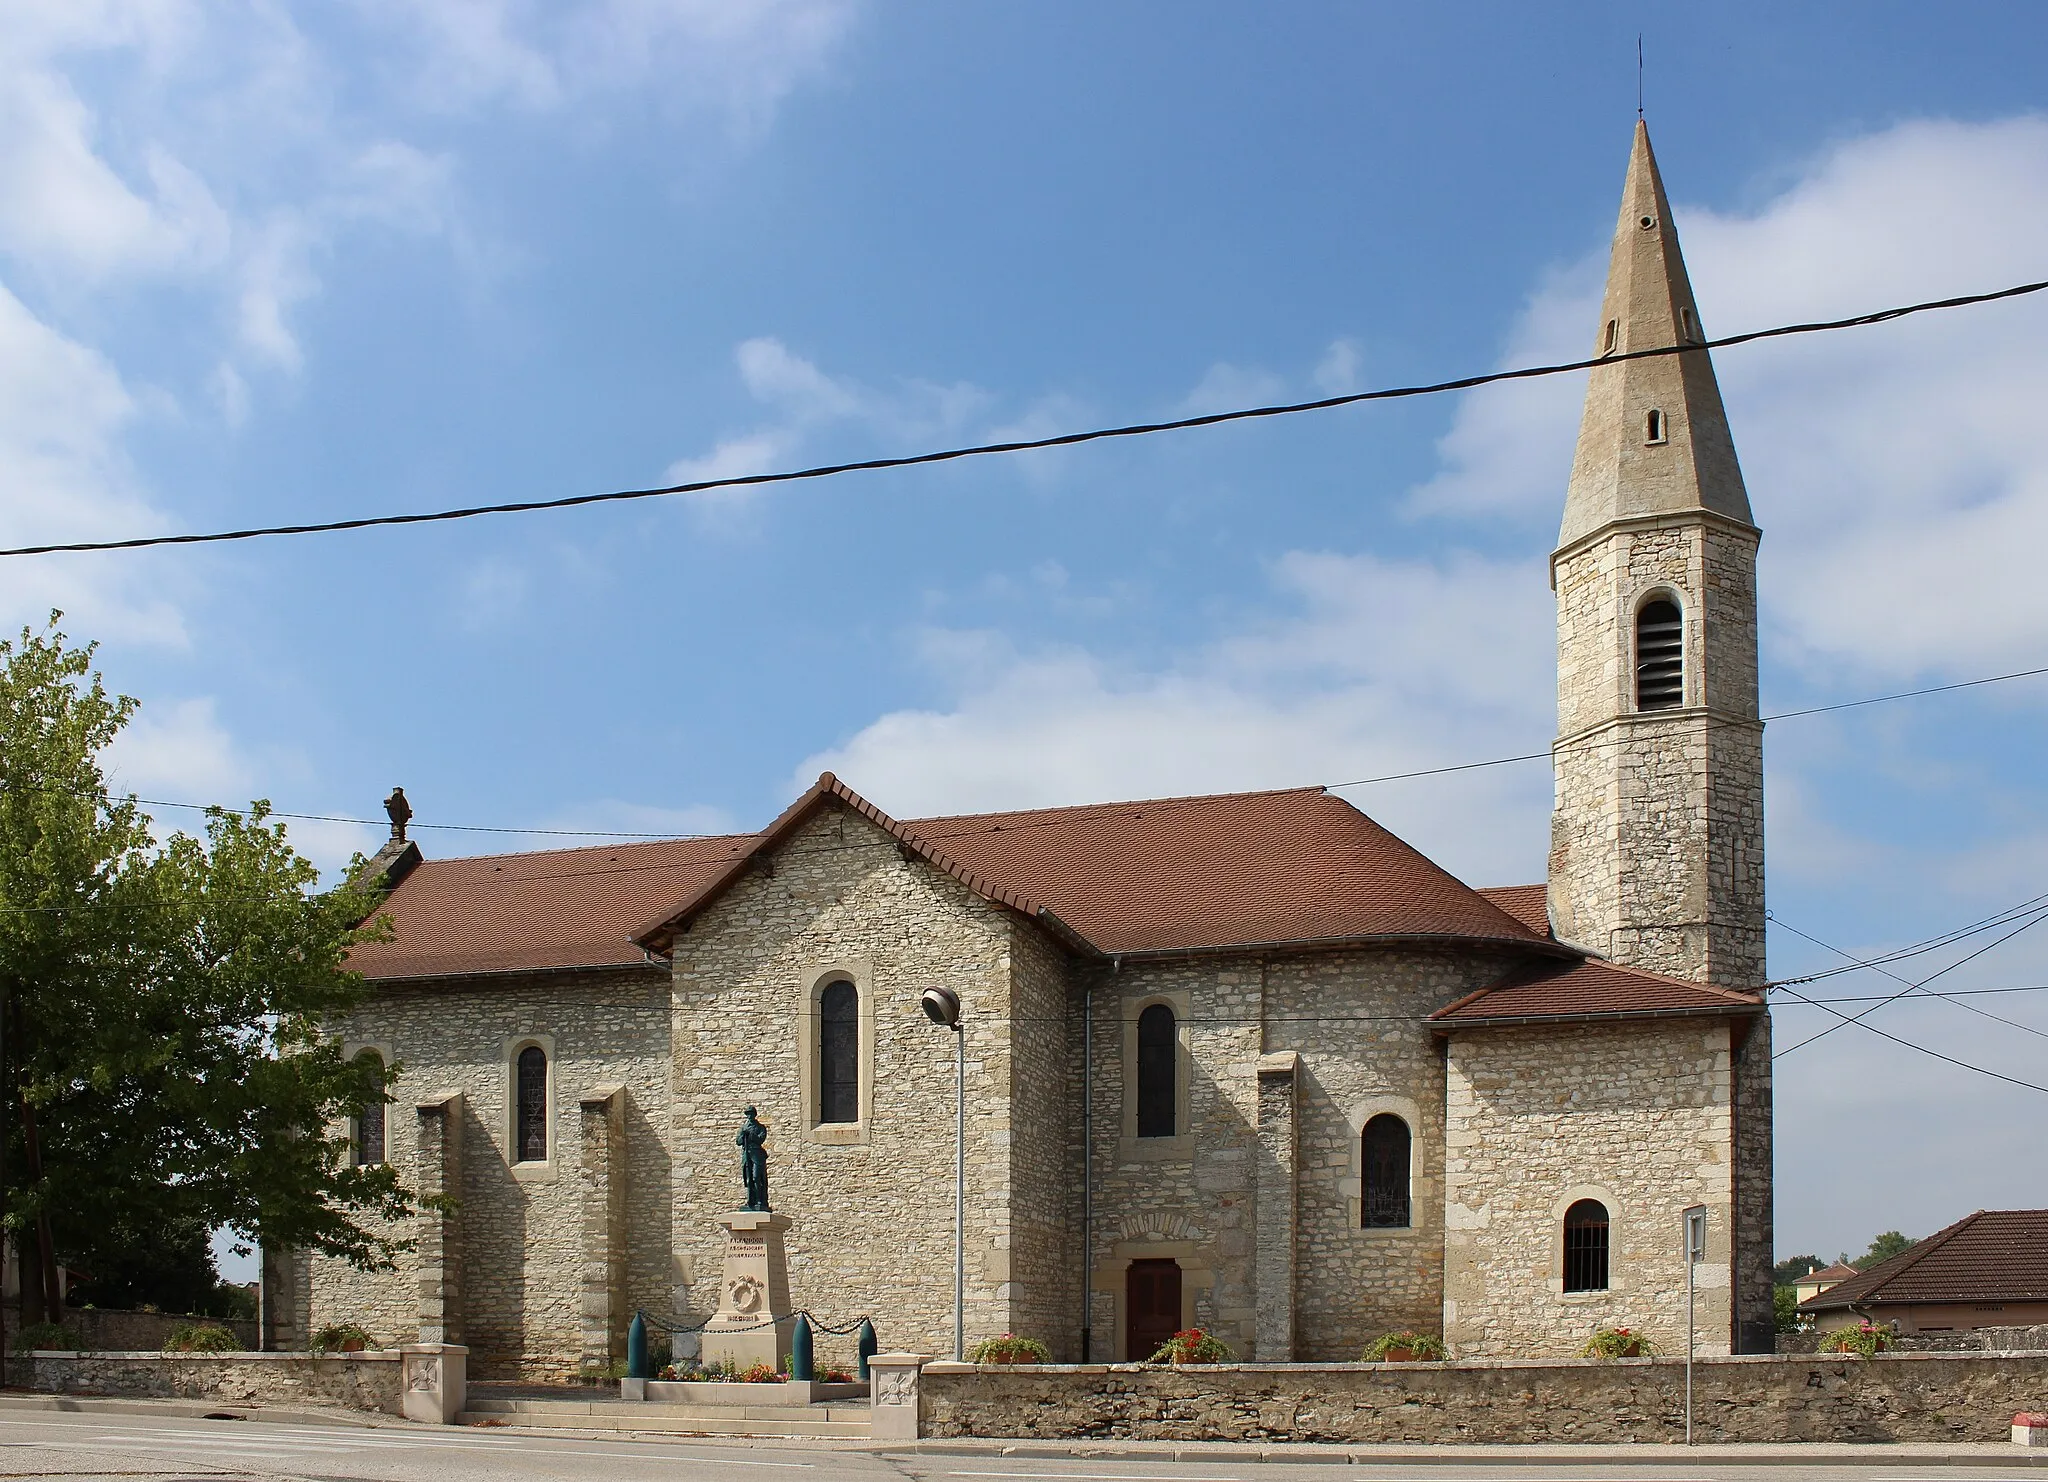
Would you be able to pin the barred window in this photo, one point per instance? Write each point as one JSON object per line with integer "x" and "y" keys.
{"x": 370, "y": 1120}
{"x": 1585, "y": 1247}
{"x": 1385, "y": 1195}
{"x": 839, "y": 1053}
{"x": 532, "y": 1130}
{"x": 1155, "y": 1072}
{"x": 1660, "y": 656}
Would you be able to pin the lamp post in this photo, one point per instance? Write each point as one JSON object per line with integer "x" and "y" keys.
{"x": 1695, "y": 1252}
{"x": 942, "y": 1007}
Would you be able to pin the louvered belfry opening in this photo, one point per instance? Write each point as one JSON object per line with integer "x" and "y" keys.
{"x": 839, "y": 1053}
{"x": 1585, "y": 1247}
{"x": 1660, "y": 656}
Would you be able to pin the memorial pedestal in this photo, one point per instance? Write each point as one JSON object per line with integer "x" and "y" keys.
{"x": 754, "y": 1323}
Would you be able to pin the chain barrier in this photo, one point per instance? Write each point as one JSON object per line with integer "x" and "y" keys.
{"x": 655, "y": 1320}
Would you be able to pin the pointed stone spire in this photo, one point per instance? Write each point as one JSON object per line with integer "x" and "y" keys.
{"x": 1654, "y": 439}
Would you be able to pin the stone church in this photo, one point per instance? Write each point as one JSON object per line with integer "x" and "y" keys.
{"x": 1245, "y": 1062}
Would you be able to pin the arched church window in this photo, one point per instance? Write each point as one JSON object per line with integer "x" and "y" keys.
{"x": 1385, "y": 1192}
{"x": 1660, "y": 656}
{"x": 1585, "y": 1247}
{"x": 839, "y": 1053}
{"x": 532, "y": 1123}
{"x": 1653, "y": 427}
{"x": 370, "y": 1120}
{"x": 1156, "y": 1044}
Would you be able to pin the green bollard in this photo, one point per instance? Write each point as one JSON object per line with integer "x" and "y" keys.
{"x": 868, "y": 1347}
{"x": 801, "y": 1366}
{"x": 636, "y": 1348}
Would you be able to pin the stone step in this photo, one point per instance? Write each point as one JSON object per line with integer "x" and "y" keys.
{"x": 849, "y": 1421}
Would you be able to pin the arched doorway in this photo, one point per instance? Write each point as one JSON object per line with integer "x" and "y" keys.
{"x": 1151, "y": 1306}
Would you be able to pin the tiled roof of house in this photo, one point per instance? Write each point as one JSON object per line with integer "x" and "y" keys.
{"x": 1181, "y": 874}
{"x": 1837, "y": 1271}
{"x": 531, "y": 912}
{"x": 1528, "y": 904}
{"x": 1589, "y": 989}
{"x": 1177, "y": 874}
{"x": 1994, "y": 1255}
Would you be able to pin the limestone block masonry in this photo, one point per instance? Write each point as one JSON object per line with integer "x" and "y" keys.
{"x": 754, "y": 1323}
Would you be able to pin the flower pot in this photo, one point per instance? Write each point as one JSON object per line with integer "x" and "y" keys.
{"x": 1398, "y": 1356}
{"x": 350, "y": 1345}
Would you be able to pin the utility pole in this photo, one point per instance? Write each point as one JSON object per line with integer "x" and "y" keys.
{"x": 942, "y": 1007}
{"x": 1695, "y": 1252}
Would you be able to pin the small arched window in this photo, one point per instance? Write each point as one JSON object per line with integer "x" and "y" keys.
{"x": 839, "y": 1053}
{"x": 1688, "y": 327}
{"x": 1385, "y": 1190}
{"x": 1585, "y": 1247}
{"x": 1653, "y": 427}
{"x": 1156, "y": 1044}
{"x": 370, "y": 1120}
{"x": 1612, "y": 338}
{"x": 1660, "y": 656}
{"x": 531, "y": 1129}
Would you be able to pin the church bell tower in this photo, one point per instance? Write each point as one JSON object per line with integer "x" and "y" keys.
{"x": 1657, "y": 846}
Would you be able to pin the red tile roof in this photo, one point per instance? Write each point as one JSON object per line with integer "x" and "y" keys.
{"x": 1837, "y": 1271}
{"x": 1180, "y": 874}
{"x": 1528, "y": 904}
{"x": 1994, "y": 1255}
{"x": 530, "y": 912}
{"x": 1174, "y": 874}
{"x": 1591, "y": 989}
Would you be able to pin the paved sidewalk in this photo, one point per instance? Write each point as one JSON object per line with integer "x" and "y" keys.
{"x": 1813, "y": 1454}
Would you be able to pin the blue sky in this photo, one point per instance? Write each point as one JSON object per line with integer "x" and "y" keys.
{"x": 264, "y": 263}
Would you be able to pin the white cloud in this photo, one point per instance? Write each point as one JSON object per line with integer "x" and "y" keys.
{"x": 1226, "y": 388}
{"x": 1336, "y": 374}
{"x": 1372, "y": 672}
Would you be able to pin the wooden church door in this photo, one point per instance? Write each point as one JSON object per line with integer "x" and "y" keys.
{"x": 1151, "y": 1307}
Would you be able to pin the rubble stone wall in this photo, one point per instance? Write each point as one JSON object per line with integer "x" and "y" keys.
{"x": 358, "y": 1381}
{"x": 1905, "y": 1397}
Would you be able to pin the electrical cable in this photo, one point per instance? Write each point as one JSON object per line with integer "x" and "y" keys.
{"x": 1878, "y": 1001}
{"x": 1063, "y": 440}
{"x": 1909, "y": 1044}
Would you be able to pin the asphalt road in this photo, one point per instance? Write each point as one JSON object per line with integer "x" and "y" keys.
{"x": 89, "y": 1446}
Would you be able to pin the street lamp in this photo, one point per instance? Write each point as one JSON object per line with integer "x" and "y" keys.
{"x": 942, "y": 1007}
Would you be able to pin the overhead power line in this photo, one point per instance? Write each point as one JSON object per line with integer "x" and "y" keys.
{"x": 1499, "y": 761}
{"x": 1909, "y": 1044}
{"x": 1063, "y": 440}
{"x": 1909, "y": 988}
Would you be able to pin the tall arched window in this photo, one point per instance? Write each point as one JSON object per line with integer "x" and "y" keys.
{"x": 1660, "y": 656}
{"x": 1585, "y": 1247}
{"x": 532, "y": 1121}
{"x": 1385, "y": 1191}
{"x": 1155, "y": 1072}
{"x": 839, "y": 1053}
{"x": 370, "y": 1120}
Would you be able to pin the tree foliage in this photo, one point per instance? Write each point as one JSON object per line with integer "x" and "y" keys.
{"x": 164, "y": 1004}
{"x": 1883, "y": 1248}
{"x": 1789, "y": 1270}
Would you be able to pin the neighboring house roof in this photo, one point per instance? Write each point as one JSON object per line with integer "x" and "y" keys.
{"x": 1167, "y": 875}
{"x": 1592, "y": 989}
{"x": 1528, "y": 904}
{"x": 1178, "y": 874}
{"x": 1994, "y": 1255}
{"x": 1839, "y": 1271}
{"x": 559, "y": 908}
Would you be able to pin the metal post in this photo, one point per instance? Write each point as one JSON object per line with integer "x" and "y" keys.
{"x": 960, "y": 1196}
{"x": 1087, "y": 1168}
{"x": 1694, "y": 1228}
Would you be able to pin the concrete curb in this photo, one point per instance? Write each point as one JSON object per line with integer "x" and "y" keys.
{"x": 200, "y": 1409}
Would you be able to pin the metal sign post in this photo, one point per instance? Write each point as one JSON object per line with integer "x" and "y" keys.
{"x": 1695, "y": 1252}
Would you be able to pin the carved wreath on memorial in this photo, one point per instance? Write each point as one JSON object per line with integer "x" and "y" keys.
{"x": 744, "y": 1294}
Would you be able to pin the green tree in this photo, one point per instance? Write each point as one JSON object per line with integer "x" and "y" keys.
{"x": 1785, "y": 1308}
{"x": 1887, "y": 1245}
{"x": 1789, "y": 1270}
{"x": 165, "y": 1064}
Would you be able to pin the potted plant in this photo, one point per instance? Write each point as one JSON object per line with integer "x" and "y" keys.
{"x": 1191, "y": 1346}
{"x": 342, "y": 1337}
{"x": 1617, "y": 1343}
{"x": 1009, "y": 1349}
{"x": 1865, "y": 1341}
{"x": 1404, "y": 1348}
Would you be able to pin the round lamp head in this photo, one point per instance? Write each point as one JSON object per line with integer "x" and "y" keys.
{"x": 941, "y": 1006}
